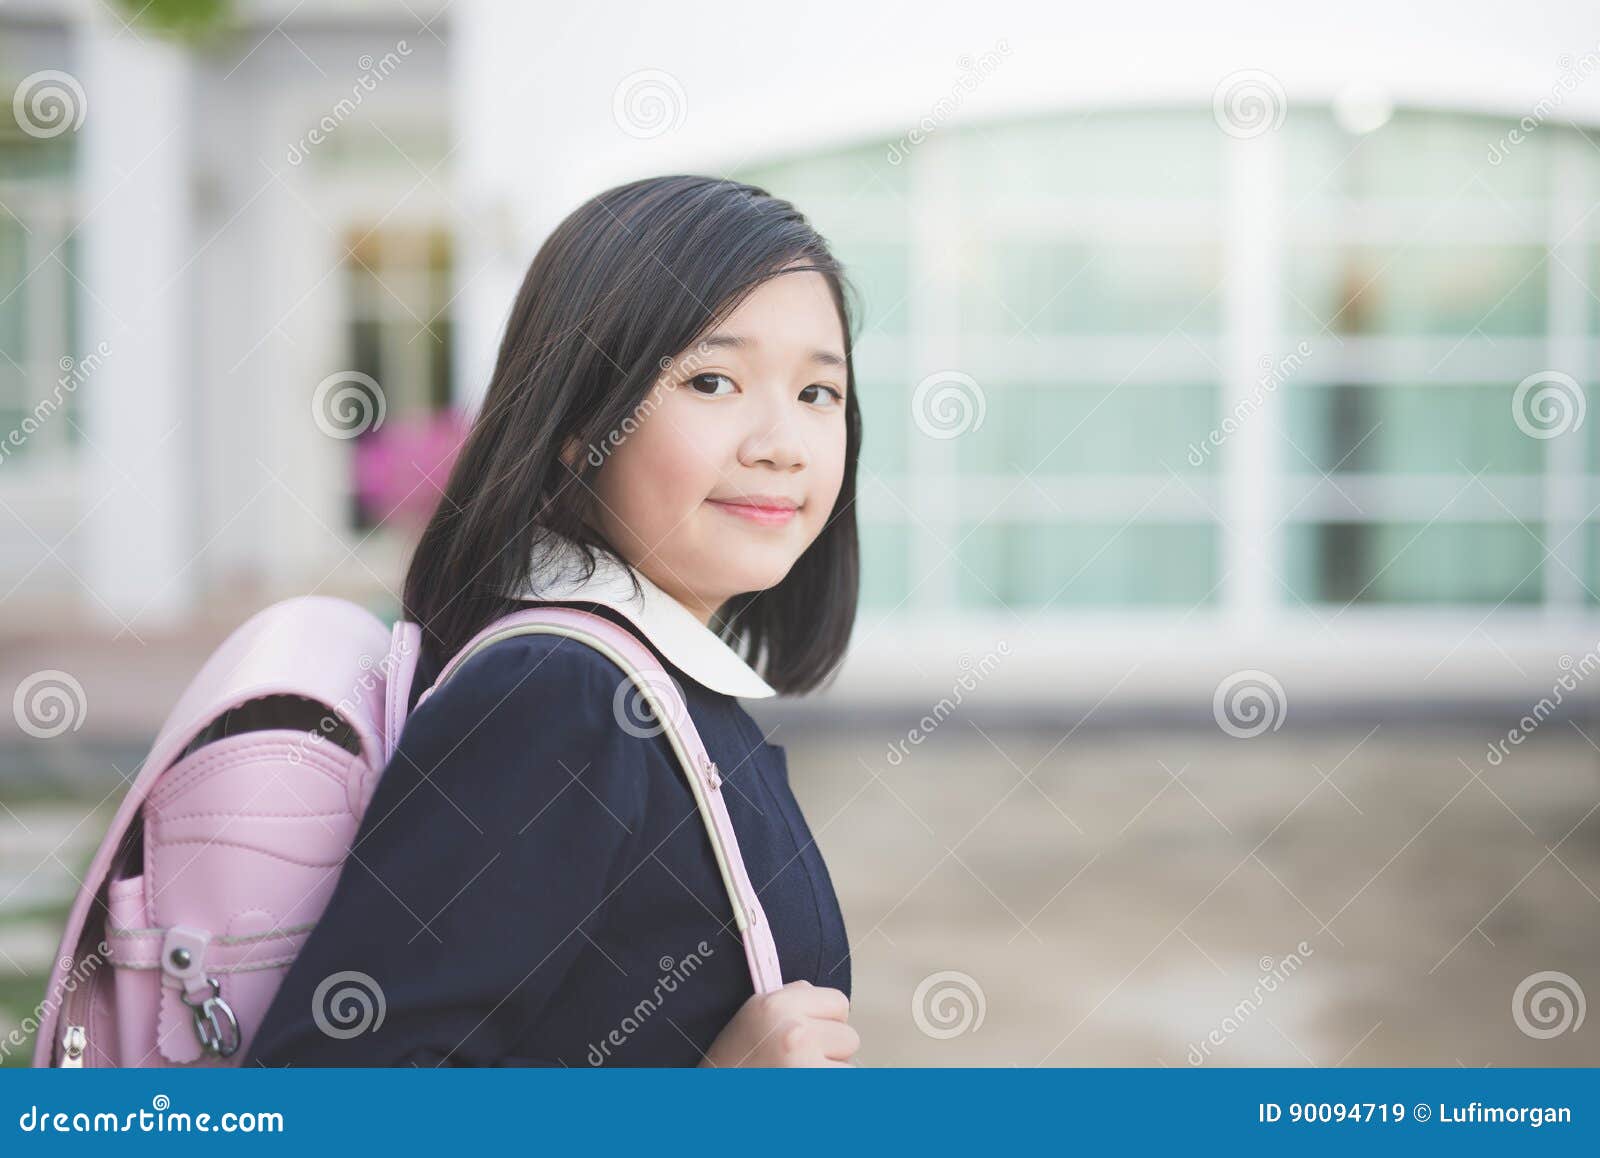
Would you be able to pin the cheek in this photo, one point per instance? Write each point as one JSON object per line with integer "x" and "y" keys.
{"x": 655, "y": 477}
{"x": 828, "y": 462}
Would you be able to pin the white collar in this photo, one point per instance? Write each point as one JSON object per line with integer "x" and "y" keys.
{"x": 668, "y": 624}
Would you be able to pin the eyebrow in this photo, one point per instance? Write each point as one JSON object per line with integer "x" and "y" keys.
{"x": 736, "y": 342}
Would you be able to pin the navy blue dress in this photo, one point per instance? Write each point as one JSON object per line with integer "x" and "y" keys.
{"x": 532, "y": 884}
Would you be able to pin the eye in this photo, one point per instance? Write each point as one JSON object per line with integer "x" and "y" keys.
{"x": 837, "y": 396}
{"x": 712, "y": 378}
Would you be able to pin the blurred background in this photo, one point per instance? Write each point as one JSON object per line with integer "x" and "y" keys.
{"x": 1230, "y": 505}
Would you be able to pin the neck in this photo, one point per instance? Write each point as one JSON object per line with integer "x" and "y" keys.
{"x": 698, "y": 607}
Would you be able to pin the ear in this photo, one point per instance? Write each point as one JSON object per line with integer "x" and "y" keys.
{"x": 569, "y": 453}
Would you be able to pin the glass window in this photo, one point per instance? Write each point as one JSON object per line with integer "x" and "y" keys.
{"x": 1058, "y": 567}
{"x": 1417, "y": 288}
{"x": 40, "y": 358}
{"x": 1408, "y": 429}
{"x": 13, "y": 323}
{"x": 1089, "y": 430}
{"x": 885, "y": 564}
{"x": 1415, "y": 563}
{"x": 1157, "y": 154}
{"x": 1078, "y": 268}
{"x": 397, "y": 290}
{"x": 1018, "y": 287}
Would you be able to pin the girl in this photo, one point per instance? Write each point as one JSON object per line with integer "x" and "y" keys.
{"x": 670, "y": 440}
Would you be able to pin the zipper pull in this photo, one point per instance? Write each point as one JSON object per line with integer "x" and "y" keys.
{"x": 74, "y": 1041}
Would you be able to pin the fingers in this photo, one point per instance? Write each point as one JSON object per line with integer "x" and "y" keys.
{"x": 816, "y": 1000}
{"x": 836, "y": 1040}
{"x": 812, "y": 1027}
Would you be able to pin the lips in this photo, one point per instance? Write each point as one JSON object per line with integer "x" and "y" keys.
{"x": 765, "y": 510}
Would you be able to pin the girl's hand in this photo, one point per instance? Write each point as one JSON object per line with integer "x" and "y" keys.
{"x": 799, "y": 1025}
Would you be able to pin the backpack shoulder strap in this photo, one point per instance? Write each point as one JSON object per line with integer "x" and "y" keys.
{"x": 405, "y": 649}
{"x": 658, "y": 690}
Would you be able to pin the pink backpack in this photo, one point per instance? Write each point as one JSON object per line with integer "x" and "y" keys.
{"x": 225, "y": 850}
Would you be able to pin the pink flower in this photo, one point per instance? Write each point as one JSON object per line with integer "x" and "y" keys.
{"x": 401, "y": 467}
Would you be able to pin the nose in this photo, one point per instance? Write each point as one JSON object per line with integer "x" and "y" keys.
{"x": 776, "y": 442}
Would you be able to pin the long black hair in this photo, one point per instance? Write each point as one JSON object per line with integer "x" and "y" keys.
{"x": 629, "y": 280}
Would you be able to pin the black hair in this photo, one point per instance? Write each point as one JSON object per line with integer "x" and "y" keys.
{"x": 626, "y": 283}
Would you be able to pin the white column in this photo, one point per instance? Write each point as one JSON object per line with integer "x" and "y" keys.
{"x": 505, "y": 219}
{"x": 1251, "y": 478}
{"x": 139, "y": 406}
{"x": 1566, "y": 499}
{"x": 933, "y": 305}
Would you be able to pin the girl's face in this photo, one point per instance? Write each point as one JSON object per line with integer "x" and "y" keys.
{"x": 738, "y": 453}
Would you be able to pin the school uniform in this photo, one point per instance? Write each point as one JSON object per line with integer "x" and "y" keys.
{"x": 532, "y": 883}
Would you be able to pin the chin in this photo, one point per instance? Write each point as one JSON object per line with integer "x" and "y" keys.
{"x": 758, "y": 575}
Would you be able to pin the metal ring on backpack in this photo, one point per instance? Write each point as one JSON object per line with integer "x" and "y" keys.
{"x": 206, "y": 1027}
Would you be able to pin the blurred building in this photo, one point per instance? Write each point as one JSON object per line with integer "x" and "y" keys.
{"x": 235, "y": 224}
{"x": 1269, "y": 349}
{"x": 1242, "y": 347}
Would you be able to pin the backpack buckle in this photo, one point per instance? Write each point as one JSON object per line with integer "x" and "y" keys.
{"x": 183, "y": 953}
{"x": 206, "y": 1025}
